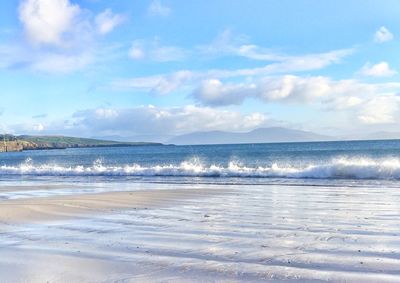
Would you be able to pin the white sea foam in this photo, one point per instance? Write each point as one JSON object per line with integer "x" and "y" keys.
{"x": 339, "y": 168}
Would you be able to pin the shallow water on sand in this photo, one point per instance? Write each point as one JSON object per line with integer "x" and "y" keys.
{"x": 249, "y": 233}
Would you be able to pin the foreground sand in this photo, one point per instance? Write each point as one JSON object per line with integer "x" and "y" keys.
{"x": 202, "y": 233}
{"x": 83, "y": 205}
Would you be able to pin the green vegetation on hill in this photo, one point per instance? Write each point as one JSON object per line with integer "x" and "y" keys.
{"x": 23, "y": 142}
{"x": 7, "y": 137}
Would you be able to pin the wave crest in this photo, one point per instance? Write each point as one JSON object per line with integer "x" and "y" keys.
{"x": 339, "y": 168}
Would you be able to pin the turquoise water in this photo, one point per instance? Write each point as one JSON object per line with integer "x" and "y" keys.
{"x": 352, "y": 162}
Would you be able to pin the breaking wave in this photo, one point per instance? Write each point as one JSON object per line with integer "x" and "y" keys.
{"x": 339, "y": 168}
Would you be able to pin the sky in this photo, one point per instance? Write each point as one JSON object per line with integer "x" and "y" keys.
{"x": 149, "y": 70}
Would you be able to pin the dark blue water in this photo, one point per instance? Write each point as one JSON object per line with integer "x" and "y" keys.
{"x": 346, "y": 160}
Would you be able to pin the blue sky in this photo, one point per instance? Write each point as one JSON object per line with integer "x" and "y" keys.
{"x": 153, "y": 69}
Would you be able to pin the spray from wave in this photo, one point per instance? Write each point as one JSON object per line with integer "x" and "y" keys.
{"x": 339, "y": 168}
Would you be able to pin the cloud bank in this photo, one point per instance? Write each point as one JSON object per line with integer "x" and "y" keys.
{"x": 163, "y": 121}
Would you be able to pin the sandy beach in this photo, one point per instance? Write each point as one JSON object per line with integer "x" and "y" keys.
{"x": 202, "y": 233}
{"x": 39, "y": 209}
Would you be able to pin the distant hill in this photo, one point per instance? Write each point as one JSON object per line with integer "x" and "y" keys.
{"x": 24, "y": 142}
{"x": 157, "y": 138}
{"x": 261, "y": 135}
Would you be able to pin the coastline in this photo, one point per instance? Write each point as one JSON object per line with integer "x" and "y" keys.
{"x": 11, "y": 143}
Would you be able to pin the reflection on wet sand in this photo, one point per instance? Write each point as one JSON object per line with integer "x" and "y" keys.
{"x": 204, "y": 233}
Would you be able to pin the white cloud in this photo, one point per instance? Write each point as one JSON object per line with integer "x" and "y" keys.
{"x": 381, "y": 69}
{"x": 343, "y": 102}
{"x": 380, "y": 110}
{"x": 383, "y": 35}
{"x": 286, "y": 88}
{"x": 367, "y": 105}
{"x": 156, "y": 8}
{"x": 62, "y": 23}
{"x": 214, "y": 92}
{"x": 361, "y": 103}
{"x": 70, "y": 31}
{"x": 106, "y": 21}
{"x": 48, "y": 21}
{"x": 147, "y": 120}
{"x": 153, "y": 51}
{"x": 294, "y": 88}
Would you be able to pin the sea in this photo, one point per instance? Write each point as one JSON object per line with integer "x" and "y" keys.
{"x": 311, "y": 163}
{"x": 286, "y": 212}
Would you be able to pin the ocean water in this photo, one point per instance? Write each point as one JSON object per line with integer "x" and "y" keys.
{"x": 311, "y": 163}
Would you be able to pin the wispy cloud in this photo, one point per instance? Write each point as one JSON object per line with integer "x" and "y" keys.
{"x": 224, "y": 45}
{"x": 106, "y": 21}
{"x": 156, "y": 8}
{"x": 383, "y": 35}
{"x": 58, "y": 62}
{"x": 153, "y": 50}
{"x": 166, "y": 83}
{"x": 229, "y": 44}
{"x": 158, "y": 84}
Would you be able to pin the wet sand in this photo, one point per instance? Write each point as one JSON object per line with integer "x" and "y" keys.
{"x": 204, "y": 233}
{"x": 39, "y": 209}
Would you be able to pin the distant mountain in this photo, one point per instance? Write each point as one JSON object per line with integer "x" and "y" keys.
{"x": 148, "y": 138}
{"x": 261, "y": 135}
